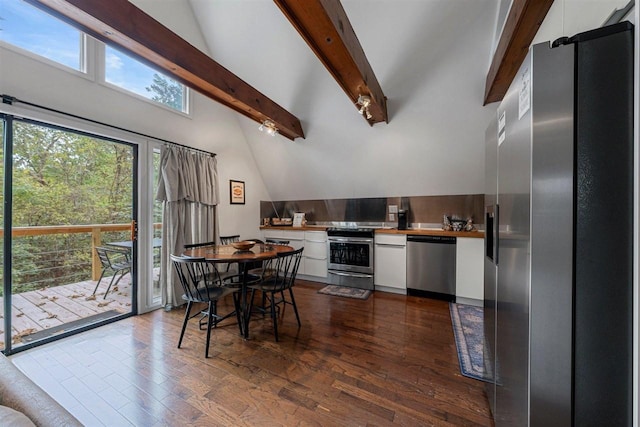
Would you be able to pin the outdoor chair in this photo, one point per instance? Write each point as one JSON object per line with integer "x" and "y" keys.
{"x": 274, "y": 287}
{"x": 201, "y": 283}
{"x": 114, "y": 260}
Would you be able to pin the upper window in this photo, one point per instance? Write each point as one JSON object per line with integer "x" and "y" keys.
{"x": 130, "y": 74}
{"x": 33, "y": 30}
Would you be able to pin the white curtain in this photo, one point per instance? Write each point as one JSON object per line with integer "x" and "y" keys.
{"x": 188, "y": 189}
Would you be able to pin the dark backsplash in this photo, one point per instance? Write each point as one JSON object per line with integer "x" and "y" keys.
{"x": 422, "y": 209}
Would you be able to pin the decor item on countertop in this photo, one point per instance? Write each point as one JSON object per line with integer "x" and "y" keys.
{"x": 299, "y": 219}
{"x": 469, "y": 225}
{"x": 236, "y": 189}
{"x": 243, "y": 245}
{"x": 345, "y": 291}
{"x": 281, "y": 221}
{"x": 446, "y": 224}
{"x": 468, "y": 331}
{"x": 455, "y": 223}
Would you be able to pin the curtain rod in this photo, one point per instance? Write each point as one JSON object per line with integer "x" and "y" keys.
{"x": 8, "y": 99}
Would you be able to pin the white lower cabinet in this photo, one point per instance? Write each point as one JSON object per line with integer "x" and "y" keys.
{"x": 315, "y": 253}
{"x": 314, "y": 256}
{"x": 295, "y": 238}
{"x": 470, "y": 270}
{"x": 390, "y": 263}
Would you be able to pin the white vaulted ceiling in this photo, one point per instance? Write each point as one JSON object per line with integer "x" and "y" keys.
{"x": 431, "y": 58}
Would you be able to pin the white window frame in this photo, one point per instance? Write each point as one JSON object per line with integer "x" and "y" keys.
{"x": 86, "y": 69}
{"x": 101, "y": 78}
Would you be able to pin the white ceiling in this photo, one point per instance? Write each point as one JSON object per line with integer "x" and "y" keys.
{"x": 431, "y": 58}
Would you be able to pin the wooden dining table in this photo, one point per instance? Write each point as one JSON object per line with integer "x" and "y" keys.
{"x": 225, "y": 254}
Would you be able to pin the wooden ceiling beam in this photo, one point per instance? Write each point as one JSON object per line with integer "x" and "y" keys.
{"x": 120, "y": 23}
{"x": 521, "y": 26}
{"x": 324, "y": 25}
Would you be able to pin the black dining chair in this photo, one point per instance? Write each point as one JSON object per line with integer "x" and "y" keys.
{"x": 277, "y": 241}
{"x": 266, "y": 269}
{"x": 227, "y": 240}
{"x": 226, "y": 275}
{"x": 114, "y": 260}
{"x": 201, "y": 283}
{"x": 198, "y": 245}
{"x": 274, "y": 286}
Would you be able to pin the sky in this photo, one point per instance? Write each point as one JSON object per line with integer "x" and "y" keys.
{"x": 29, "y": 28}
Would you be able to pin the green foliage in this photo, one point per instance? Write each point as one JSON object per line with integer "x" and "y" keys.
{"x": 64, "y": 178}
{"x": 166, "y": 91}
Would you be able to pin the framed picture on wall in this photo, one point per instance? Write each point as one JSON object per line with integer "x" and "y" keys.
{"x": 236, "y": 189}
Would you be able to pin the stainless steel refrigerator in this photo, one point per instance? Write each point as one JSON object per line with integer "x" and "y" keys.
{"x": 559, "y": 236}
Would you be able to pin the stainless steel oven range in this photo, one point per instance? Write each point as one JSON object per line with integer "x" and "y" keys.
{"x": 350, "y": 253}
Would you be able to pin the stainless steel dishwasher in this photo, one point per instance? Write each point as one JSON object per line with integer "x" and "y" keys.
{"x": 431, "y": 266}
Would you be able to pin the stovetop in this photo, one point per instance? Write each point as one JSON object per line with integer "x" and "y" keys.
{"x": 350, "y": 232}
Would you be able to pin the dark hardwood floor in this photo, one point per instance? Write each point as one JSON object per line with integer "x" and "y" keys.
{"x": 389, "y": 360}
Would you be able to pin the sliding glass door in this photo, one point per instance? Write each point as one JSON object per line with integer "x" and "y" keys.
{"x": 72, "y": 212}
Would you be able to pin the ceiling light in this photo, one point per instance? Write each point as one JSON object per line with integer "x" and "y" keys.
{"x": 269, "y": 127}
{"x": 364, "y": 101}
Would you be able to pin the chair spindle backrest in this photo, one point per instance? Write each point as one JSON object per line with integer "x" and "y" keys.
{"x": 197, "y": 245}
{"x": 198, "y": 277}
{"x": 277, "y": 242}
{"x": 286, "y": 269}
{"x": 227, "y": 240}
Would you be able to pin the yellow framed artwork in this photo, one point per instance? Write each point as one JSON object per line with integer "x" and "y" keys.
{"x": 236, "y": 189}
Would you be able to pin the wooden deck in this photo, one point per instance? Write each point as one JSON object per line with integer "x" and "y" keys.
{"x": 51, "y": 308}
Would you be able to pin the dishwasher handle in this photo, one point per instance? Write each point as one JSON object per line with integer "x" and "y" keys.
{"x": 445, "y": 240}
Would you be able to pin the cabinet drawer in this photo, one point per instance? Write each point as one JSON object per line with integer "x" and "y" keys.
{"x": 275, "y": 234}
{"x": 292, "y": 235}
{"x": 315, "y": 250}
{"x": 391, "y": 239}
{"x": 315, "y": 267}
{"x": 315, "y": 236}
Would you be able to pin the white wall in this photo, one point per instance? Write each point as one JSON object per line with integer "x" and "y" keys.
{"x": 431, "y": 59}
{"x": 210, "y": 126}
{"x": 569, "y": 17}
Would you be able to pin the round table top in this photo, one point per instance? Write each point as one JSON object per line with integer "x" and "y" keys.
{"x": 227, "y": 253}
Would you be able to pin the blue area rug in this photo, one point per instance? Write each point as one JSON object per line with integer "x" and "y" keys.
{"x": 468, "y": 330}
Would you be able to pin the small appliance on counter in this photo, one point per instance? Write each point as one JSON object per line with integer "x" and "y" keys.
{"x": 402, "y": 219}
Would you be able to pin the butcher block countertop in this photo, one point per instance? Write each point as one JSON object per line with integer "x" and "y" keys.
{"x": 291, "y": 228}
{"x": 432, "y": 232}
{"x": 412, "y": 231}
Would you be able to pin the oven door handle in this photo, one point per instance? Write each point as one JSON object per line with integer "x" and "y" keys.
{"x": 350, "y": 240}
{"x": 337, "y": 273}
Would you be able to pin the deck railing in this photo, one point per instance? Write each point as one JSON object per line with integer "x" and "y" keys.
{"x": 96, "y": 231}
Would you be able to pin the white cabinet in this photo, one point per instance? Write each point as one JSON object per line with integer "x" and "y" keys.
{"x": 315, "y": 253}
{"x": 314, "y": 256}
{"x": 295, "y": 238}
{"x": 470, "y": 270}
{"x": 390, "y": 264}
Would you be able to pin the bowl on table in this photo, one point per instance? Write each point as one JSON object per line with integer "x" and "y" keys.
{"x": 243, "y": 245}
